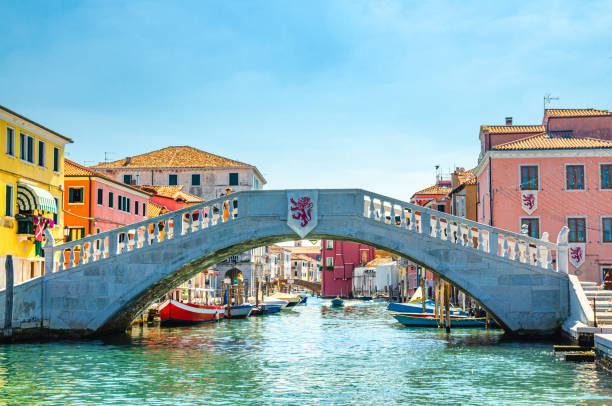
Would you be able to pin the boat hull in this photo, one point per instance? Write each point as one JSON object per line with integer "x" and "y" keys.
{"x": 337, "y": 302}
{"x": 239, "y": 312}
{"x": 172, "y": 312}
{"x": 420, "y": 320}
{"x": 417, "y": 307}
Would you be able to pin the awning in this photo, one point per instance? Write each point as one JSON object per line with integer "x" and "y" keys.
{"x": 34, "y": 198}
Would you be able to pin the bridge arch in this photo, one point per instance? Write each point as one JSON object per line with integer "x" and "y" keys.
{"x": 518, "y": 289}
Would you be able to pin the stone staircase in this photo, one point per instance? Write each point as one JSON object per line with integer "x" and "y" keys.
{"x": 603, "y": 302}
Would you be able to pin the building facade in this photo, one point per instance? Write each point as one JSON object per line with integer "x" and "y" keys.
{"x": 31, "y": 192}
{"x": 95, "y": 203}
{"x": 338, "y": 259}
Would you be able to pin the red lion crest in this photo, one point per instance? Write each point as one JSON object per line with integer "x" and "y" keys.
{"x": 576, "y": 254}
{"x": 529, "y": 201}
{"x": 302, "y": 209}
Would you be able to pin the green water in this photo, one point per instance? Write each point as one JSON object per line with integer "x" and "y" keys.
{"x": 311, "y": 356}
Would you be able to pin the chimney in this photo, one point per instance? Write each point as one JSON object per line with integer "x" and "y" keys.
{"x": 127, "y": 161}
{"x": 508, "y": 121}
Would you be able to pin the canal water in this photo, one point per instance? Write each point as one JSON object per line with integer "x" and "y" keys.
{"x": 313, "y": 355}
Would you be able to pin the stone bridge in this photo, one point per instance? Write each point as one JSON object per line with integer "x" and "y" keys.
{"x": 97, "y": 285}
{"x": 315, "y": 287}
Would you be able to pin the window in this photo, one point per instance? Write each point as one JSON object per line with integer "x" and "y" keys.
{"x": 529, "y": 177}
{"x": 195, "y": 179}
{"x": 173, "y": 180}
{"x": 41, "y": 153}
{"x": 30, "y": 150}
{"x": 127, "y": 179}
{"x": 119, "y": 202}
{"x": 128, "y": 208}
{"x": 75, "y": 233}
{"x": 75, "y": 195}
{"x": 441, "y": 207}
{"x": 56, "y": 159}
{"x": 606, "y": 176}
{"x": 8, "y": 209}
{"x": 55, "y": 215}
{"x": 577, "y": 228}
{"x": 22, "y": 146}
{"x": 329, "y": 264}
{"x": 110, "y": 199}
{"x": 533, "y": 226}
{"x": 10, "y": 141}
{"x": 136, "y": 207}
{"x": 606, "y": 227}
{"x": 574, "y": 177}
{"x": 329, "y": 244}
{"x": 144, "y": 210}
{"x": 100, "y": 197}
{"x": 233, "y": 179}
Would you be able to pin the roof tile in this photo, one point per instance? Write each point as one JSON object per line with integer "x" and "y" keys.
{"x": 514, "y": 129}
{"x": 545, "y": 141}
{"x": 576, "y": 112}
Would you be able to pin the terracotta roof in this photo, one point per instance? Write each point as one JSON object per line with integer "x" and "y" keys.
{"x": 72, "y": 168}
{"x": 544, "y": 141}
{"x": 379, "y": 261}
{"x": 513, "y": 129}
{"x": 174, "y": 157}
{"x": 434, "y": 190}
{"x": 576, "y": 112}
{"x": 154, "y": 210}
{"x": 172, "y": 192}
{"x": 304, "y": 250}
{"x": 301, "y": 257}
{"x": 467, "y": 177}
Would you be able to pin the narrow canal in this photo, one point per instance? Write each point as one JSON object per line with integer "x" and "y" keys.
{"x": 357, "y": 355}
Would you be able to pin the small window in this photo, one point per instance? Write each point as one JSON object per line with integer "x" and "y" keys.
{"x": 233, "y": 179}
{"x": 606, "y": 227}
{"x": 55, "y": 215}
{"x": 128, "y": 207}
{"x": 111, "y": 199}
{"x": 136, "y": 207}
{"x": 100, "y": 197}
{"x": 56, "y": 159}
{"x": 30, "y": 155}
{"x": 120, "y": 203}
{"x": 533, "y": 227}
{"x": 41, "y": 153}
{"x": 173, "y": 180}
{"x": 9, "y": 199}
{"x": 441, "y": 207}
{"x": 144, "y": 210}
{"x": 127, "y": 179}
{"x": 606, "y": 176}
{"x": 75, "y": 195}
{"x": 10, "y": 141}
{"x": 574, "y": 176}
{"x": 329, "y": 244}
{"x": 529, "y": 177}
{"x": 195, "y": 179}
{"x": 577, "y": 228}
{"x": 329, "y": 263}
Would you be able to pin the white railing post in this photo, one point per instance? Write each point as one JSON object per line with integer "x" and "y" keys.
{"x": 563, "y": 252}
{"x": 49, "y": 252}
{"x": 425, "y": 223}
{"x": 438, "y": 233}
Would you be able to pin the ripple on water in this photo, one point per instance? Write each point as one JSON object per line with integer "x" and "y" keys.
{"x": 357, "y": 355}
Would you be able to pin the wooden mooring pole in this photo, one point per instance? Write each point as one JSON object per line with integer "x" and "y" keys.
{"x": 447, "y": 306}
{"x": 8, "y": 304}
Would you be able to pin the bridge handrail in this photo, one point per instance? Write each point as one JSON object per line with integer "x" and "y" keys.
{"x": 514, "y": 246}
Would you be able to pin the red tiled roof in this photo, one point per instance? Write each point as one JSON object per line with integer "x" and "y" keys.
{"x": 576, "y": 113}
{"x": 73, "y": 169}
{"x": 513, "y": 129}
{"x": 544, "y": 141}
{"x": 434, "y": 190}
{"x": 154, "y": 210}
{"x": 171, "y": 192}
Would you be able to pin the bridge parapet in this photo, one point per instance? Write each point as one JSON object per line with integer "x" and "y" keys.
{"x": 458, "y": 230}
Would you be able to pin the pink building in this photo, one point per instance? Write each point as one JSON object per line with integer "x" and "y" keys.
{"x": 339, "y": 258}
{"x": 553, "y": 179}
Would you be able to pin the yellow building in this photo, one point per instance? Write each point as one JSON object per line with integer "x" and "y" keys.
{"x": 31, "y": 188}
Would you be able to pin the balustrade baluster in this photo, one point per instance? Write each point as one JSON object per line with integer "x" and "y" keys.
{"x": 90, "y": 252}
{"x": 136, "y": 239}
{"x": 437, "y": 232}
{"x": 112, "y": 244}
{"x": 413, "y": 225}
{"x": 155, "y": 239}
{"x": 189, "y": 222}
{"x": 480, "y": 241}
{"x": 62, "y": 261}
{"x": 493, "y": 243}
{"x": 549, "y": 264}
{"x": 505, "y": 248}
{"x": 540, "y": 258}
{"x": 517, "y": 250}
{"x": 147, "y": 235}
{"x": 371, "y": 209}
{"x": 71, "y": 258}
{"x": 177, "y": 225}
{"x": 425, "y": 223}
{"x": 470, "y": 237}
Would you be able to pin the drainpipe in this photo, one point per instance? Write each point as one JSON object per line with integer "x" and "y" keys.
{"x": 90, "y": 221}
{"x": 490, "y": 193}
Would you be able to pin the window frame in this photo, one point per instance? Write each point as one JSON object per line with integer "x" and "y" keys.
{"x": 130, "y": 177}
{"x": 9, "y": 210}
{"x": 329, "y": 263}
{"x": 569, "y": 236}
{"x": 100, "y": 197}
{"x": 530, "y": 218}
{"x": 199, "y": 179}
{"x": 71, "y": 195}
{"x": 144, "y": 209}
{"x": 229, "y": 180}
{"x": 176, "y": 178}
{"x": 38, "y": 156}
{"x": 329, "y": 244}
{"x": 600, "y": 175}
{"x": 601, "y": 221}
{"x": 520, "y": 170}
{"x": 56, "y": 160}
{"x": 29, "y": 140}
{"x": 136, "y": 207}
{"x": 12, "y": 129}
{"x": 111, "y": 203}
{"x": 565, "y": 171}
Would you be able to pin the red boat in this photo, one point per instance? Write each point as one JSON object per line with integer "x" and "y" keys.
{"x": 172, "y": 312}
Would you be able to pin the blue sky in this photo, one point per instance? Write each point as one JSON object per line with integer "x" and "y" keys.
{"x": 314, "y": 93}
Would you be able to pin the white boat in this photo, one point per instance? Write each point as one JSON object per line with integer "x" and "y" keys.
{"x": 274, "y": 301}
{"x": 291, "y": 298}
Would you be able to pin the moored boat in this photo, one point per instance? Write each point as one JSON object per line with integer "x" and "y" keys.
{"x": 337, "y": 302}
{"x": 415, "y": 305}
{"x": 423, "y": 320}
{"x": 172, "y": 312}
{"x": 291, "y": 298}
{"x": 269, "y": 308}
{"x": 238, "y": 312}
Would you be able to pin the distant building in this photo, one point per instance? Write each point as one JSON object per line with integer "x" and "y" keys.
{"x": 283, "y": 258}
{"x": 170, "y": 197}
{"x": 463, "y": 196}
{"x": 339, "y": 258}
{"x": 95, "y": 203}
{"x": 304, "y": 267}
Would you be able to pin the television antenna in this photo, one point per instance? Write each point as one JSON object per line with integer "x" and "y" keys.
{"x": 106, "y": 155}
{"x": 547, "y": 99}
